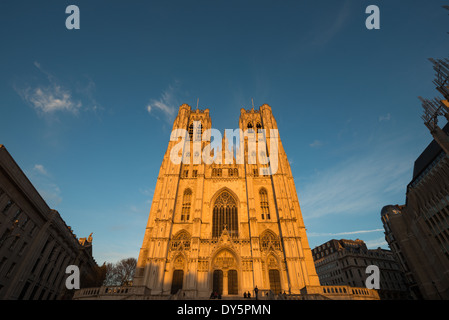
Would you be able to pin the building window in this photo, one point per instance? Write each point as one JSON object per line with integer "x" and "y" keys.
{"x": 225, "y": 215}
{"x": 233, "y": 172}
{"x": 264, "y": 204}
{"x": 185, "y": 173}
{"x": 217, "y": 172}
{"x": 6, "y": 208}
{"x": 194, "y": 173}
{"x": 191, "y": 131}
{"x": 186, "y": 202}
{"x": 11, "y": 269}
{"x": 258, "y": 126}
{"x": 269, "y": 241}
{"x": 250, "y": 127}
{"x": 198, "y": 133}
{"x": 181, "y": 241}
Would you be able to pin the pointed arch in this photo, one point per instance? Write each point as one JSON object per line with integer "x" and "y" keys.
{"x": 225, "y": 213}
{"x": 181, "y": 241}
{"x": 269, "y": 241}
{"x": 178, "y": 273}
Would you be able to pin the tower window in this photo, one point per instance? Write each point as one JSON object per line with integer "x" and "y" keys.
{"x": 250, "y": 127}
{"x": 264, "y": 204}
{"x": 191, "y": 131}
{"x": 186, "y": 203}
{"x": 199, "y": 132}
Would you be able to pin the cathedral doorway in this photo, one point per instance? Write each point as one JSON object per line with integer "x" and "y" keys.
{"x": 178, "y": 277}
{"x": 225, "y": 279}
{"x": 275, "y": 280}
{"x": 233, "y": 285}
{"x": 217, "y": 285}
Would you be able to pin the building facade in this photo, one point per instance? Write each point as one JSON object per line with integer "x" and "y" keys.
{"x": 36, "y": 245}
{"x": 226, "y": 226}
{"x": 344, "y": 262}
{"x": 418, "y": 232}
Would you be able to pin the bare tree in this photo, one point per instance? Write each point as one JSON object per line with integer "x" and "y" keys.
{"x": 121, "y": 273}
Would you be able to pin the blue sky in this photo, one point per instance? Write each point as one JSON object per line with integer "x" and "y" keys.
{"x": 87, "y": 113}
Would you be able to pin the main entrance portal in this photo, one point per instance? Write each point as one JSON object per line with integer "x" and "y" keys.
{"x": 225, "y": 274}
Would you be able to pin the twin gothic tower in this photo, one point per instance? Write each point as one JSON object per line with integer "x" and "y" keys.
{"x": 226, "y": 225}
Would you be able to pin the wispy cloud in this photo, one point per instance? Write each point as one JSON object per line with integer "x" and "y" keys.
{"x": 40, "y": 168}
{"x": 50, "y": 98}
{"x": 358, "y": 184}
{"x": 376, "y": 243}
{"x": 316, "y": 144}
{"x": 346, "y": 233}
{"x": 166, "y": 104}
{"x": 47, "y": 188}
{"x": 335, "y": 26}
{"x": 385, "y": 118}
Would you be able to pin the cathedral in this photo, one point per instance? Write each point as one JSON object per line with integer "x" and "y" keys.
{"x": 225, "y": 217}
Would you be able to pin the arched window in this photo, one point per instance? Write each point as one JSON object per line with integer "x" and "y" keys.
{"x": 181, "y": 241}
{"x": 258, "y": 126}
{"x": 186, "y": 202}
{"x": 199, "y": 132}
{"x": 269, "y": 241}
{"x": 191, "y": 131}
{"x": 225, "y": 215}
{"x": 250, "y": 127}
{"x": 264, "y": 204}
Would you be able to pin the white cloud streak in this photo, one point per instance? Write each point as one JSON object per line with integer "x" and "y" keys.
{"x": 44, "y": 184}
{"x": 314, "y": 234}
{"x": 50, "y": 98}
{"x": 166, "y": 103}
{"x": 357, "y": 185}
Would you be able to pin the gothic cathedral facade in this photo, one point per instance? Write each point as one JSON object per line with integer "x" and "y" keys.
{"x": 224, "y": 227}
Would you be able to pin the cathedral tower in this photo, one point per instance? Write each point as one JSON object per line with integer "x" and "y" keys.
{"x": 225, "y": 217}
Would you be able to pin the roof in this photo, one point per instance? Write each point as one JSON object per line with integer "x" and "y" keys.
{"x": 428, "y": 155}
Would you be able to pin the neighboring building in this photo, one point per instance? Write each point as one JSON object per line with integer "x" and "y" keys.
{"x": 36, "y": 245}
{"x": 344, "y": 262}
{"x": 418, "y": 232}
